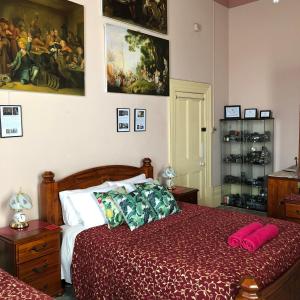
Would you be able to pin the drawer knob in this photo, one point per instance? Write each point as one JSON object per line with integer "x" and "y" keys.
{"x": 39, "y": 248}
{"x": 41, "y": 269}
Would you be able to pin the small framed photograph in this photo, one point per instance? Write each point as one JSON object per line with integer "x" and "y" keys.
{"x": 11, "y": 121}
{"x": 232, "y": 112}
{"x": 123, "y": 119}
{"x": 265, "y": 114}
{"x": 250, "y": 113}
{"x": 139, "y": 119}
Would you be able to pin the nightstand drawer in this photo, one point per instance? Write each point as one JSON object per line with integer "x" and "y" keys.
{"x": 292, "y": 210}
{"x": 40, "y": 267}
{"x": 49, "y": 284}
{"x": 37, "y": 248}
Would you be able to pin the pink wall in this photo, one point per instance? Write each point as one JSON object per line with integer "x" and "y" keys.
{"x": 66, "y": 134}
{"x": 264, "y": 67}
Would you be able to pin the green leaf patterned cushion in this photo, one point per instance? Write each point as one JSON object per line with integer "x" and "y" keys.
{"x": 162, "y": 201}
{"x": 135, "y": 209}
{"x": 112, "y": 213}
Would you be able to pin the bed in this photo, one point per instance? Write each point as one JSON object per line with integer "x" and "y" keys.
{"x": 12, "y": 288}
{"x": 184, "y": 256}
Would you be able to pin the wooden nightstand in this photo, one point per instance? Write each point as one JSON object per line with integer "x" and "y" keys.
{"x": 185, "y": 194}
{"x": 33, "y": 255}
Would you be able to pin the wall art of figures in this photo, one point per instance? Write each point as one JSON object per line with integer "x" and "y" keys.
{"x": 151, "y": 14}
{"x": 42, "y": 46}
{"x": 136, "y": 63}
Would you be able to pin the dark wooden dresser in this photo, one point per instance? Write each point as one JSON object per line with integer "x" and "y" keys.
{"x": 281, "y": 185}
{"x": 33, "y": 255}
{"x": 185, "y": 194}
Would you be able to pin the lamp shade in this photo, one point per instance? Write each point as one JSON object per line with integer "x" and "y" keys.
{"x": 20, "y": 201}
{"x": 169, "y": 172}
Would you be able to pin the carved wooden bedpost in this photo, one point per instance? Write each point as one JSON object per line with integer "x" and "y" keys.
{"x": 49, "y": 204}
{"x": 249, "y": 290}
{"x": 147, "y": 167}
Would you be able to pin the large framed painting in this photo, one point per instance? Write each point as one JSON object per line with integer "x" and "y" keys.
{"x": 42, "y": 46}
{"x": 151, "y": 14}
{"x": 136, "y": 63}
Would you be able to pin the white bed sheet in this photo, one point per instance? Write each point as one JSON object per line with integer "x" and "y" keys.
{"x": 67, "y": 247}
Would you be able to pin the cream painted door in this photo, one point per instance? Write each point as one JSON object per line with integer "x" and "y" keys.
{"x": 190, "y": 136}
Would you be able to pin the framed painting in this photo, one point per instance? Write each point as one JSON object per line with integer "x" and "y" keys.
{"x": 42, "y": 46}
{"x": 123, "y": 119}
{"x": 139, "y": 119}
{"x": 150, "y": 14}
{"x": 136, "y": 63}
{"x": 11, "y": 121}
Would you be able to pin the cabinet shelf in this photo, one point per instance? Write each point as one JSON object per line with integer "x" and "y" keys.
{"x": 250, "y": 143}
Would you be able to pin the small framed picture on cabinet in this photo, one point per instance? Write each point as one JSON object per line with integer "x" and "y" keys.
{"x": 250, "y": 113}
{"x": 265, "y": 114}
{"x": 232, "y": 112}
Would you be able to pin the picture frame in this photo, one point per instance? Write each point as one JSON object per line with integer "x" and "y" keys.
{"x": 123, "y": 119}
{"x": 250, "y": 113}
{"x": 265, "y": 114}
{"x": 232, "y": 112}
{"x": 139, "y": 119}
{"x": 51, "y": 33}
{"x": 152, "y": 15}
{"x": 136, "y": 63}
{"x": 11, "y": 121}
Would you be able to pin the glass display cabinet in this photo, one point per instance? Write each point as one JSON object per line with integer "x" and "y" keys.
{"x": 247, "y": 151}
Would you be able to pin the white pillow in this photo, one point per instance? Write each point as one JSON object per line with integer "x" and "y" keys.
{"x": 86, "y": 207}
{"x": 134, "y": 179}
{"x": 69, "y": 215}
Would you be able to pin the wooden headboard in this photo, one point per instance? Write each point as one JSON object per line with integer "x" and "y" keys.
{"x": 50, "y": 208}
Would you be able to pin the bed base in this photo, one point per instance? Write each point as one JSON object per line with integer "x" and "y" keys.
{"x": 287, "y": 287}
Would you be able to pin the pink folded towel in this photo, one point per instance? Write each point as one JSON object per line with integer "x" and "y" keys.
{"x": 258, "y": 238}
{"x": 236, "y": 238}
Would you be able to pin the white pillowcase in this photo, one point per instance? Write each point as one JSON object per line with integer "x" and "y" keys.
{"x": 70, "y": 216}
{"x": 128, "y": 184}
{"x": 86, "y": 207}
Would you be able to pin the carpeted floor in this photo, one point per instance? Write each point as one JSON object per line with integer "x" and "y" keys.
{"x": 68, "y": 293}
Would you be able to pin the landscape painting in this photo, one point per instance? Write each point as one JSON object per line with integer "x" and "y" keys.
{"x": 42, "y": 46}
{"x": 151, "y": 14}
{"x": 136, "y": 63}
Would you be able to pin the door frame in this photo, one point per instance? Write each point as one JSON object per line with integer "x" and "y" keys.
{"x": 205, "y": 89}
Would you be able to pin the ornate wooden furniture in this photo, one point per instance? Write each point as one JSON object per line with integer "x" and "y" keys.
{"x": 33, "y": 255}
{"x": 286, "y": 287}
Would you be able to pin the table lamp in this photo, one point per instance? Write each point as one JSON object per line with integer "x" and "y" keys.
{"x": 18, "y": 202}
{"x": 169, "y": 174}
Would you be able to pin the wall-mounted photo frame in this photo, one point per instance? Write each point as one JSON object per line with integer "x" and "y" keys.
{"x": 11, "y": 121}
{"x": 250, "y": 113}
{"x": 139, "y": 119}
{"x": 265, "y": 114}
{"x": 232, "y": 112}
{"x": 123, "y": 119}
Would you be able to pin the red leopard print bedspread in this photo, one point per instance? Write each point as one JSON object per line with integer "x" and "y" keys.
{"x": 13, "y": 289}
{"x": 184, "y": 256}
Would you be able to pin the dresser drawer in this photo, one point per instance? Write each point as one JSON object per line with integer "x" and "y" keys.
{"x": 292, "y": 210}
{"x": 49, "y": 284}
{"x": 40, "y": 267}
{"x": 37, "y": 248}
